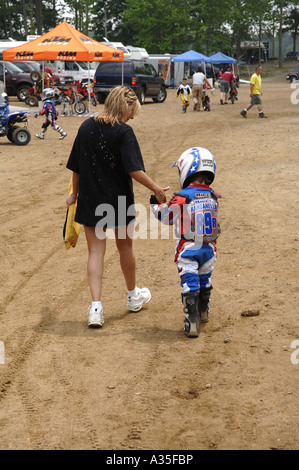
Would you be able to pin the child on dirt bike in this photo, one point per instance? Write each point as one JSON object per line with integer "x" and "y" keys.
{"x": 51, "y": 115}
{"x": 194, "y": 211}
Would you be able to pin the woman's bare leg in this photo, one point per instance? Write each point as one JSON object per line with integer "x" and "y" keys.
{"x": 95, "y": 265}
{"x": 124, "y": 243}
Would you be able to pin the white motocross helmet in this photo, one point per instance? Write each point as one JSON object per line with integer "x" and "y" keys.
{"x": 195, "y": 160}
{"x": 48, "y": 94}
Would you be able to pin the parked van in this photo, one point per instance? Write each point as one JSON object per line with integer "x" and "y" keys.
{"x": 8, "y": 43}
{"x": 138, "y": 53}
{"x": 119, "y": 46}
{"x": 77, "y": 69}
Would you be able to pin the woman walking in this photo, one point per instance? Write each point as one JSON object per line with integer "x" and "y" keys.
{"x": 104, "y": 159}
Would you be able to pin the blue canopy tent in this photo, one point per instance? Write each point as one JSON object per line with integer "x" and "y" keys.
{"x": 220, "y": 58}
{"x": 190, "y": 56}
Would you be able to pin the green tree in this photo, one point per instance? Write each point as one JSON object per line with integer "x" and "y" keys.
{"x": 107, "y": 19}
{"x": 159, "y": 25}
{"x": 80, "y": 9}
{"x": 282, "y": 11}
{"x": 210, "y": 21}
{"x": 292, "y": 21}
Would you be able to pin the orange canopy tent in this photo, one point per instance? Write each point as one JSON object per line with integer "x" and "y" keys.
{"x": 64, "y": 42}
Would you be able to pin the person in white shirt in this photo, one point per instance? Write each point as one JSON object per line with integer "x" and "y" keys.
{"x": 199, "y": 79}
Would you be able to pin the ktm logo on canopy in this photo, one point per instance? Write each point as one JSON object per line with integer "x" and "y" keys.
{"x": 66, "y": 55}
{"x": 24, "y": 55}
{"x": 62, "y": 40}
{"x": 86, "y": 40}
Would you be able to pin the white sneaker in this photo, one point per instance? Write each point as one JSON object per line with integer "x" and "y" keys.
{"x": 96, "y": 318}
{"x": 134, "y": 304}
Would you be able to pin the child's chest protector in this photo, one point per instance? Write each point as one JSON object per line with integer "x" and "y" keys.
{"x": 203, "y": 212}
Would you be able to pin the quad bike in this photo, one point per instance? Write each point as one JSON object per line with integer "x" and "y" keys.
{"x": 34, "y": 94}
{"x": 16, "y": 134}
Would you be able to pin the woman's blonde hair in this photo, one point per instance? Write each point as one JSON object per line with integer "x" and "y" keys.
{"x": 117, "y": 103}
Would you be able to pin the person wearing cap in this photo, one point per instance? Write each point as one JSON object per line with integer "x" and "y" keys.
{"x": 255, "y": 93}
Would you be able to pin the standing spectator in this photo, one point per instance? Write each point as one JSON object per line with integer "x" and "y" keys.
{"x": 184, "y": 91}
{"x": 255, "y": 93}
{"x": 220, "y": 73}
{"x": 105, "y": 158}
{"x": 47, "y": 76}
{"x": 226, "y": 81}
{"x": 199, "y": 79}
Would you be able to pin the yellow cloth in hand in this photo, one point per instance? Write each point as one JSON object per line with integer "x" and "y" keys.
{"x": 71, "y": 228}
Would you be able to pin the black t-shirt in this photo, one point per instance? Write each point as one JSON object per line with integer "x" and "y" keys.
{"x": 103, "y": 155}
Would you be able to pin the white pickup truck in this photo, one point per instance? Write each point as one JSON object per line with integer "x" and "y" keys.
{"x": 77, "y": 69}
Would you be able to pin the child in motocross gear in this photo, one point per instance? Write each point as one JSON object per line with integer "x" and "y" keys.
{"x": 51, "y": 115}
{"x": 185, "y": 93}
{"x": 194, "y": 211}
{"x": 4, "y": 110}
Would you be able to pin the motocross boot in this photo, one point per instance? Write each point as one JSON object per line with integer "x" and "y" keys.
{"x": 203, "y": 303}
{"x": 42, "y": 134}
{"x": 192, "y": 317}
{"x": 62, "y": 133}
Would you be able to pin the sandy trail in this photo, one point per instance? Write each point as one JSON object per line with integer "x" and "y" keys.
{"x": 139, "y": 383}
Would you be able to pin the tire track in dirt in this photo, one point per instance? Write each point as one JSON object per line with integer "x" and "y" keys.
{"x": 37, "y": 405}
{"x": 22, "y": 353}
{"x": 149, "y": 401}
{"x": 80, "y": 420}
{"x": 135, "y": 438}
{"x": 25, "y": 342}
{"x": 28, "y": 276}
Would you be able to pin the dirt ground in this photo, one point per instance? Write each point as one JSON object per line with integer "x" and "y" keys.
{"x": 139, "y": 383}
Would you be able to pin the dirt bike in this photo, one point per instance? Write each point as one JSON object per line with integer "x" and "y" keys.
{"x": 35, "y": 93}
{"x": 233, "y": 94}
{"x": 69, "y": 94}
{"x": 16, "y": 134}
{"x": 83, "y": 90}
